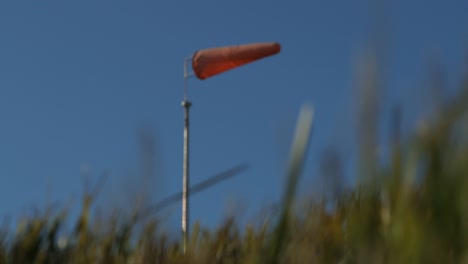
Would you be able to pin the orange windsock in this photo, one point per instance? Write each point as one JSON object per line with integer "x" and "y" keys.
{"x": 209, "y": 62}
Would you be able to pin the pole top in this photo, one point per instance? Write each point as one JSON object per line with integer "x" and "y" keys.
{"x": 186, "y": 104}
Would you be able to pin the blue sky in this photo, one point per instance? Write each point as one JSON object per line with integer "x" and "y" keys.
{"x": 80, "y": 79}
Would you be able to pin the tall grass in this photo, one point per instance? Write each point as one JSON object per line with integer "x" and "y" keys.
{"x": 412, "y": 210}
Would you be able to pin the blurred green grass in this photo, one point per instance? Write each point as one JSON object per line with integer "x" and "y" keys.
{"x": 412, "y": 210}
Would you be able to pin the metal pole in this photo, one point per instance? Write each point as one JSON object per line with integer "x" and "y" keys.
{"x": 185, "y": 188}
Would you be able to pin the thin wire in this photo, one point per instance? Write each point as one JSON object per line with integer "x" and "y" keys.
{"x": 187, "y": 75}
{"x": 185, "y": 79}
{"x": 176, "y": 197}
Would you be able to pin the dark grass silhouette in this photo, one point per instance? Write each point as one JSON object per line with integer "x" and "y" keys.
{"x": 412, "y": 210}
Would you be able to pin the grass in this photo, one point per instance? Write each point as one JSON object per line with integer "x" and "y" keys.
{"x": 412, "y": 210}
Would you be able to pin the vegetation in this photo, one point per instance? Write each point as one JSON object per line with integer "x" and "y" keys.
{"x": 412, "y": 209}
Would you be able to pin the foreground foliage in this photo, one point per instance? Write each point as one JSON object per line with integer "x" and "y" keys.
{"x": 415, "y": 210}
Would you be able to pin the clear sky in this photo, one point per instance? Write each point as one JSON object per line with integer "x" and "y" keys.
{"x": 80, "y": 80}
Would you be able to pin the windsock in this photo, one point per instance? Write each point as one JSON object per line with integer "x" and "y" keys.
{"x": 209, "y": 62}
